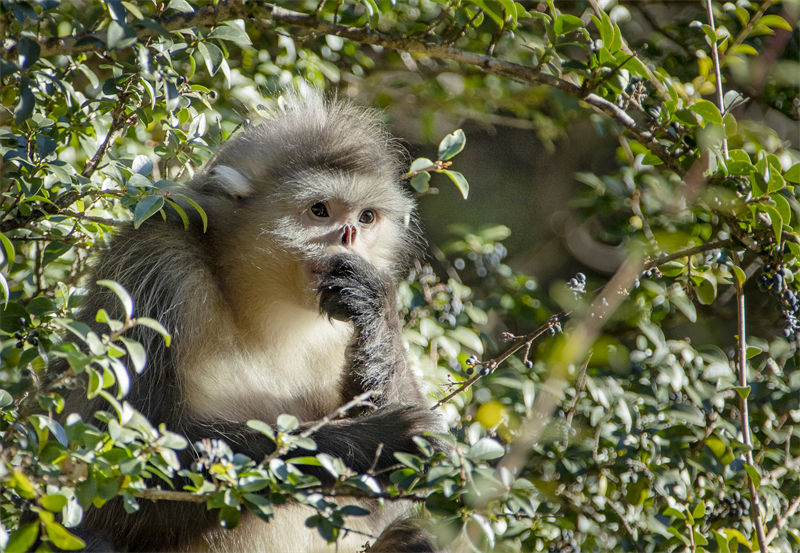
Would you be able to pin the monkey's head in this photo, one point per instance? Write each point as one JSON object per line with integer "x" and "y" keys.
{"x": 317, "y": 178}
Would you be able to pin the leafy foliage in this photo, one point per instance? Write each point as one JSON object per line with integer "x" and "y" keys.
{"x": 653, "y": 423}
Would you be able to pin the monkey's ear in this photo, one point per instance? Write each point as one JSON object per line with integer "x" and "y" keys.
{"x": 231, "y": 181}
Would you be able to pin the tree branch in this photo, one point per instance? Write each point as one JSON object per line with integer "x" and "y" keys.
{"x": 755, "y": 511}
{"x": 717, "y": 74}
{"x": 277, "y": 15}
{"x": 492, "y": 364}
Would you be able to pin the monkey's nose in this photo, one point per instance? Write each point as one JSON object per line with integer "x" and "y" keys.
{"x": 348, "y": 235}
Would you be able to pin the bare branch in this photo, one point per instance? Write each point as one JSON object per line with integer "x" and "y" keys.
{"x": 717, "y": 74}
{"x": 492, "y": 364}
{"x": 755, "y": 511}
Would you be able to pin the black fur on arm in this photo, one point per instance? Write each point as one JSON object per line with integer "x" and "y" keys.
{"x": 352, "y": 289}
{"x": 366, "y": 442}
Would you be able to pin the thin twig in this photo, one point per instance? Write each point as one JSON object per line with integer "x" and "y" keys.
{"x": 717, "y": 74}
{"x": 357, "y": 401}
{"x": 492, "y": 364}
{"x": 790, "y": 511}
{"x": 686, "y": 253}
{"x": 577, "y": 344}
{"x": 755, "y": 511}
{"x": 751, "y": 23}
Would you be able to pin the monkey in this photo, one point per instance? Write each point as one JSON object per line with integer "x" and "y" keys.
{"x": 284, "y": 304}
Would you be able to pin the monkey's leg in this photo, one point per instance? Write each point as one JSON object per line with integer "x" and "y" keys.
{"x": 405, "y": 536}
{"x": 363, "y": 443}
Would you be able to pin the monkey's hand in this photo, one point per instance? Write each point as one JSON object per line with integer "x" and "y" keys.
{"x": 351, "y": 289}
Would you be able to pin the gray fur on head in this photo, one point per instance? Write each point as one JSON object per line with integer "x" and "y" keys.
{"x": 311, "y": 148}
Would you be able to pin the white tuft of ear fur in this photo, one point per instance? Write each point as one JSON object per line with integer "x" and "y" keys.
{"x": 234, "y": 183}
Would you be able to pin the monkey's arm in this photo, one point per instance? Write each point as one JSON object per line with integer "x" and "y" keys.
{"x": 353, "y": 290}
{"x": 363, "y": 443}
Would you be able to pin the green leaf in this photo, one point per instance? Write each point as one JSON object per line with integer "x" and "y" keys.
{"x": 372, "y": 8}
{"x": 467, "y": 337}
{"x": 489, "y": 11}
{"x": 29, "y": 51}
{"x": 121, "y": 293}
{"x": 232, "y": 33}
{"x": 155, "y": 325}
{"x": 775, "y": 218}
{"x": 181, "y": 6}
{"x": 61, "y": 538}
{"x": 420, "y": 182}
{"x": 146, "y": 208}
{"x": 774, "y": 20}
{"x": 485, "y": 449}
{"x": 6, "y": 399}
{"x": 133, "y": 9}
{"x": 793, "y": 174}
{"x": 420, "y": 164}
{"x": 566, "y": 23}
{"x": 699, "y": 511}
{"x": 752, "y": 351}
{"x": 452, "y": 144}
{"x": 264, "y": 428}
{"x": 27, "y": 101}
{"x": 119, "y": 36}
{"x": 22, "y": 538}
{"x": 196, "y": 206}
{"x": 212, "y": 55}
{"x": 707, "y": 111}
{"x": 511, "y": 10}
{"x": 5, "y": 289}
{"x": 783, "y": 207}
{"x": 743, "y": 391}
{"x": 136, "y": 352}
{"x": 739, "y": 274}
{"x": 258, "y": 504}
{"x": 459, "y": 180}
{"x": 753, "y": 473}
{"x": 706, "y": 290}
{"x": 55, "y": 428}
{"x": 673, "y": 513}
{"x": 180, "y": 211}
{"x": 7, "y": 250}
{"x": 287, "y": 423}
{"x": 142, "y": 165}
{"x": 354, "y": 511}
{"x": 53, "y": 502}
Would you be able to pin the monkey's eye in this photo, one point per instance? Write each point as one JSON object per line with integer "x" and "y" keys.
{"x": 319, "y": 209}
{"x": 367, "y": 217}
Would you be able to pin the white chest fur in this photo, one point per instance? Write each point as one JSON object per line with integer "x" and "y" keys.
{"x": 289, "y": 363}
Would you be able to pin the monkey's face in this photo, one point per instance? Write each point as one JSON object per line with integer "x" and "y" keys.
{"x": 336, "y": 214}
{"x": 335, "y": 226}
{"x": 281, "y": 233}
